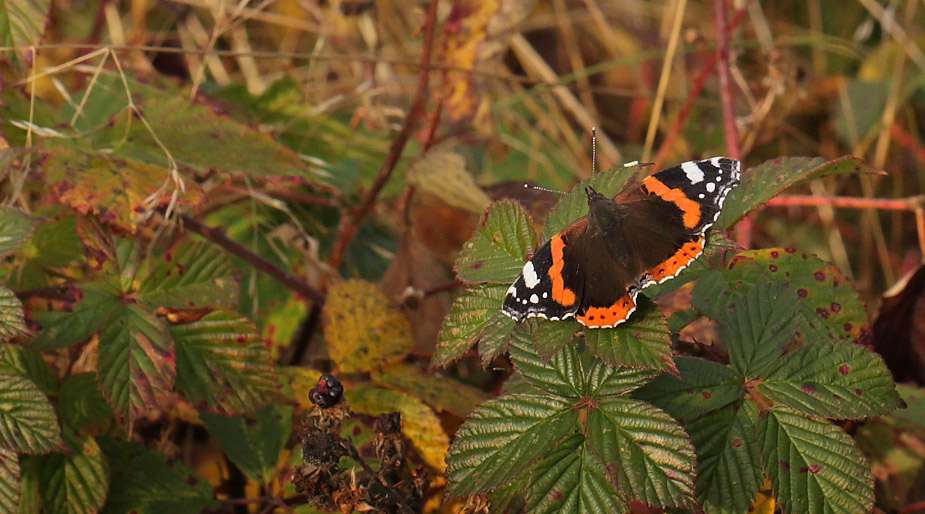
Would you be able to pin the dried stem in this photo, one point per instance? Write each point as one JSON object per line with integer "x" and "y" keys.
{"x": 725, "y": 80}
{"x": 350, "y": 224}
{"x": 217, "y": 236}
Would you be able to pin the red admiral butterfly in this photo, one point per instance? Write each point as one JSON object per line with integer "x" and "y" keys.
{"x": 646, "y": 234}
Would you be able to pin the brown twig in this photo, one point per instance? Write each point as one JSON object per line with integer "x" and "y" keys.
{"x": 349, "y": 224}
{"x": 217, "y": 236}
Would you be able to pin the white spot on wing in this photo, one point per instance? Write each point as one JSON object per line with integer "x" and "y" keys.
{"x": 693, "y": 172}
{"x": 531, "y": 280}
{"x": 711, "y": 187}
{"x": 534, "y": 298}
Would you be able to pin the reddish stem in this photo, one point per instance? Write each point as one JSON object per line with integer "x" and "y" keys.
{"x": 901, "y": 204}
{"x": 905, "y": 140}
{"x": 725, "y": 81}
{"x": 349, "y": 224}
{"x": 217, "y": 236}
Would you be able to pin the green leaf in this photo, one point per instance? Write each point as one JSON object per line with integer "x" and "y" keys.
{"x": 829, "y": 306}
{"x": 12, "y": 322}
{"x": 497, "y": 250}
{"x": 814, "y": 466}
{"x": 758, "y": 327}
{"x": 60, "y": 329}
{"x": 29, "y": 363}
{"x": 136, "y": 361}
{"x": 22, "y": 23}
{"x": 604, "y": 380}
{"x": 550, "y": 337}
{"x": 703, "y": 386}
{"x": 252, "y": 442}
{"x": 833, "y": 380}
{"x": 570, "y": 479}
{"x": 642, "y": 341}
{"x": 362, "y": 329}
{"x": 496, "y": 336}
{"x": 54, "y": 244}
{"x": 562, "y": 376}
{"x": 440, "y": 392}
{"x": 575, "y": 204}
{"x": 502, "y": 438}
{"x": 647, "y": 453}
{"x": 29, "y": 502}
{"x": 191, "y": 276}
{"x": 761, "y": 183}
{"x": 15, "y": 225}
{"x": 9, "y": 481}
{"x": 442, "y": 173}
{"x": 145, "y": 483}
{"x": 76, "y": 482}
{"x": 201, "y": 139}
{"x": 80, "y": 401}
{"x": 419, "y": 423}
{"x": 729, "y": 471}
{"x": 222, "y": 364}
{"x": 468, "y": 316}
{"x": 27, "y": 420}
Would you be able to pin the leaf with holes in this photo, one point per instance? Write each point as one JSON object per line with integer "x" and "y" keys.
{"x": 442, "y": 173}
{"x": 575, "y": 204}
{"x": 119, "y": 191}
{"x": 828, "y": 305}
{"x": 252, "y": 442}
{"x": 497, "y": 250}
{"x": 502, "y": 437}
{"x": 728, "y": 465}
{"x": 27, "y": 420}
{"x": 9, "y": 480}
{"x": 442, "y": 393}
{"x": 642, "y": 341}
{"x": 468, "y": 316}
{"x": 570, "y": 479}
{"x": 136, "y": 361}
{"x": 761, "y": 183}
{"x": 222, "y": 364}
{"x": 703, "y": 386}
{"x": 75, "y": 482}
{"x": 418, "y": 422}
{"x": 833, "y": 380}
{"x": 814, "y": 466}
{"x": 647, "y": 453}
{"x": 191, "y": 276}
{"x": 363, "y": 331}
{"x": 143, "y": 482}
{"x": 15, "y": 229}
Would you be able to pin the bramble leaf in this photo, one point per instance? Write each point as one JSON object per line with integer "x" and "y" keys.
{"x": 814, "y": 466}
{"x": 12, "y": 321}
{"x": 468, "y": 316}
{"x": 702, "y": 386}
{"x": 191, "y": 276}
{"x": 60, "y": 329}
{"x": 15, "y": 227}
{"x": 142, "y": 481}
{"x": 441, "y": 393}
{"x": 76, "y": 482}
{"x": 10, "y": 477}
{"x": 29, "y": 363}
{"x": 833, "y": 380}
{"x": 27, "y": 420}
{"x": 22, "y": 23}
{"x": 418, "y": 422}
{"x": 136, "y": 361}
{"x": 497, "y": 250}
{"x": 80, "y": 401}
{"x": 363, "y": 331}
{"x": 222, "y": 365}
{"x": 728, "y": 465}
{"x": 758, "y": 327}
{"x": 642, "y": 341}
{"x": 253, "y": 442}
{"x": 647, "y": 453}
{"x": 502, "y": 437}
{"x": 761, "y": 183}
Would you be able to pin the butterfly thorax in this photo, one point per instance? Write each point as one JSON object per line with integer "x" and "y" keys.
{"x": 606, "y": 225}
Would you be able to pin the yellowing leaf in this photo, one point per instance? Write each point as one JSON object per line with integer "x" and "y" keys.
{"x": 362, "y": 330}
{"x": 764, "y": 501}
{"x": 442, "y": 173}
{"x": 442, "y": 393}
{"x": 419, "y": 424}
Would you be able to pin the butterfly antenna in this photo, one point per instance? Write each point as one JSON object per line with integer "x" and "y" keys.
{"x": 540, "y": 188}
{"x": 593, "y": 150}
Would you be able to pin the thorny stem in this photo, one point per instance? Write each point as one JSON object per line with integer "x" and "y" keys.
{"x": 218, "y": 237}
{"x": 349, "y": 224}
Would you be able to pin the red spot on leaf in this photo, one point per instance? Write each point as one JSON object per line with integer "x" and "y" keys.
{"x": 790, "y": 250}
{"x": 477, "y": 265}
{"x": 819, "y": 276}
{"x": 772, "y": 268}
{"x": 690, "y": 391}
{"x": 784, "y": 464}
{"x": 848, "y": 327}
{"x": 844, "y": 369}
{"x": 822, "y": 312}
{"x": 241, "y": 338}
{"x": 775, "y": 254}
{"x": 556, "y": 494}
{"x": 858, "y": 393}
{"x": 835, "y": 307}
{"x": 179, "y": 269}
{"x": 736, "y": 443}
{"x": 808, "y": 388}
{"x": 814, "y": 467}
{"x": 706, "y": 395}
{"x": 802, "y": 292}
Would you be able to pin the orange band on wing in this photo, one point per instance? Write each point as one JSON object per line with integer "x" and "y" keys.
{"x": 561, "y": 294}
{"x": 603, "y": 317}
{"x": 687, "y": 253}
{"x": 690, "y": 209}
